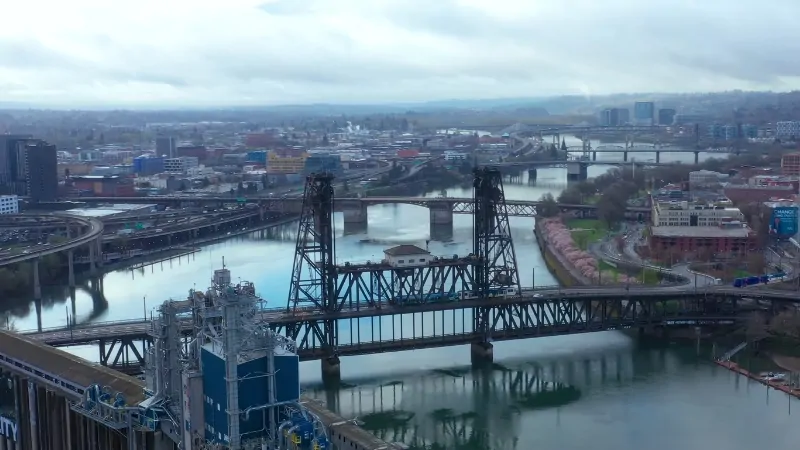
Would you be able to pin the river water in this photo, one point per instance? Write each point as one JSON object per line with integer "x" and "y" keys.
{"x": 599, "y": 391}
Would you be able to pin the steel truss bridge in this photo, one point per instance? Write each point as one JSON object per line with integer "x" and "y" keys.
{"x": 366, "y": 327}
{"x": 459, "y": 205}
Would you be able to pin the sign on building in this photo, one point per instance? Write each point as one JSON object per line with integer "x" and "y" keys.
{"x": 783, "y": 222}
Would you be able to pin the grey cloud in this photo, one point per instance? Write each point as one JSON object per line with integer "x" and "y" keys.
{"x": 421, "y": 50}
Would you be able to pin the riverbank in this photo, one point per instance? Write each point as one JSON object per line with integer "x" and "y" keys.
{"x": 777, "y": 384}
{"x": 556, "y": 267}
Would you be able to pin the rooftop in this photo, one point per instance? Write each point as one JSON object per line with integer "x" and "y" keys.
{"x": 404, "y": 250}
{"x": 69, "y": 367}
{"x": 700, "y": 232}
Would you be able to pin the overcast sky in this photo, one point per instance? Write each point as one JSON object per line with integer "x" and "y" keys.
{"x": 241, "y": 52}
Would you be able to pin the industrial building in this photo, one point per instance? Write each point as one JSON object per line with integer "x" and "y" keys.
{"x": 9, "y": 204}
{"x": 103, "y": 185}
{"x": 237, "y": 384}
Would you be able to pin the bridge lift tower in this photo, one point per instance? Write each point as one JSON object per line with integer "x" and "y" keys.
{"x": 313, "y": 284}
{"x": 496, "y": 268}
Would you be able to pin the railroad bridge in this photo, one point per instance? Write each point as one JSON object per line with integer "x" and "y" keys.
{"x": 61, "y": 401}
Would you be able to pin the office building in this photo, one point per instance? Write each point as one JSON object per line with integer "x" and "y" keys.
{"x": 166, "y": 146}
{"x": 686, "y": 214}
{"x": 277, "y": 164}
{"x": 688, "y": 119}
{"x": 644, "y": 114}
{"x": 41, "y": 171}
{"x": 790, "y": 164}
{"x": 789, "y": 129}
{"x": 11, "y": 166}
{"x": 666, "y": 116}
{"x": 180, "y": 165}
{"x": 323, "y": 163}
{"x": 624, "y": 116}
{"x": 727, "y": 239}
{"x": 257, "y": 156}
{"x": 9, "y": 204}
{"x": 614, "y": 117}
{"x": 148, "y": 165}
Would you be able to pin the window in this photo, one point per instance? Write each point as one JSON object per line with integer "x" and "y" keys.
{"x": 401, "y": 261}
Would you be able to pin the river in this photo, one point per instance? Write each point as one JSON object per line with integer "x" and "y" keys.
{"x": 599, "y": 391}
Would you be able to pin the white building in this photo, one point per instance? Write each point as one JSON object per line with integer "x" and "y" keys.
{"x": 685, "y": 214}
{"x": 701, "y": 177}
{"x": 406, "y": 256}
{"x": 454, "y": 156}
{"x": 180, "y": 165}
{"x": 9, "y": 204}
{"x": 787, "y": 129}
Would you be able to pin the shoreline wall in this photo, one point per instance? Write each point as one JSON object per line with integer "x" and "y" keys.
{"x": 554, "y": 265}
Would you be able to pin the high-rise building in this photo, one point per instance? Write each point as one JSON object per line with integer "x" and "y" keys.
{"x": 666, "y": 116}
{"x": 41, "y": 171}
{"x": 10, "y": 167}
{"x": 789, "y": 129}
{"x": 624, "y": 116}
{"x": 9, "y": 204}
{"x": 167, "y": 146}
{"x": 644, "y": 114}
{"x": 613, "y": 117}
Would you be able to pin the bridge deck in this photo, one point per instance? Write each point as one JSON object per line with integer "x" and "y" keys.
{"x": 66, "y": 366}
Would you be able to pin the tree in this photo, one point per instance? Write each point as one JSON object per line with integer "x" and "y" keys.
{"x": 570, "y": 197}
{"x": 611, "y": 207}
{"x": 548, "y": 207}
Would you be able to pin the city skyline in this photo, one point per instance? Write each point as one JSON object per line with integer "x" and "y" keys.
{"x": 241, "y": 52}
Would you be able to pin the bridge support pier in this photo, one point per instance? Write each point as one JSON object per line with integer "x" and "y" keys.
{"x": 532, "y": 175}
{"x": 481, "y": 353}
{"x": 577, "y": 171}
{"x": 71, "y": 267}
{"x": 625, "y": 156}
{"x": 697, "y": 157}
{"x": 331, "y": 370}
{"x": 441, "y": 218}
{"x": 594, "y": 156}
{"x": 658, "y": 157}
{"x": 37, "y": 285}
{"x": 99, "y": 244}
{"x": 355, "y": 213}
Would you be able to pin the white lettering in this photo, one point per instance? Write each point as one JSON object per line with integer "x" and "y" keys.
{"x": 8, "y": 428}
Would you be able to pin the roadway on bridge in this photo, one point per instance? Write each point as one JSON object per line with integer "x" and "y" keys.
{"x": 138, "y": 328}
{"x": 95, "y": 230}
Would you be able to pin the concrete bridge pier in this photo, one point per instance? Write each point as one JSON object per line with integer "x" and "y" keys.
{"x": 697, "y": 157}
{"x": 37, "y": 285}
{"x": 355, "y": 212}
{"x": 658, "y": 157}
{"x": 92, "y": 259}
{"x": 577, "y": 171}
{"x": 625, "y": 156}
{"x": 532, "y": 175}
{"x": 331, "y": 370}
{"x": 355, "y": 228}
{"x": 99, "y": 244}
{"x": 441, "y": 216}
{"x": 481, "y": 353}
{"x": 71, "y": 267}
{"x": 594, "y": 156}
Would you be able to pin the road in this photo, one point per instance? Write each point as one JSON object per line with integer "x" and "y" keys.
{"x": 545, "y": 295}
{"x": 95, "y": 230}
